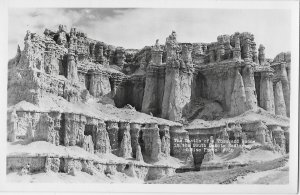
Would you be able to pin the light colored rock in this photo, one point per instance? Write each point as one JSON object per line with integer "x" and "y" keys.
{"x": 102, "y": 142}
{"x": 52, "y": 164}
{"x": 280, "y": 108}
{"x": 112, "y": 130}
{"x": 125, "y": 150}
{"x": 99, "y": 85}
{"x": 139, "y": 155}
{"x": 249, "y": 85}
{"x": 238, "y": 96}
{"x": 12, "y": 127}
{"x": 130, "y": 171}
{"x": 88, "y": 144}
{"x": 72, "y": 68}
{"x": 181, "y": 146}
{"x": 266, "y": 92}
{"x": 210, "y": 155}
{"x": 152, "y": 142}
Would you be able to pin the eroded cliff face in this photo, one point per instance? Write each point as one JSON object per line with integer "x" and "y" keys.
{"x": 180, "y": 82}
{"x": 163, "y": 80}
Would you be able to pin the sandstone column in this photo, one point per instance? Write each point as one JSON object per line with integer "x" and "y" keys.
{"x": 220, "y": 48}
{"x": 102, "y": 142}
{"x": 261, "y": 132}
{"x": 280, "y": 108}
{"x": 266, "y": 92}
{"x": 249, "y": 84}
{"x": 238, "y": 96}
{"x": 74, "y": 129}
{"x": 261, "y": 54}
{"x": 278, "y": 135}
{"x": 134, "y": 133}
{"x": 178, "y": 79}
{"x": 13, "y": 126}
{"x": 72, "y": 67}
{"x": 120, "y": 57}
{"x": 112, "y": 129}
{"x": 99, "y": 84}
{"x": 138, "y": 154}
{"x": 285, "y": 87}
{"x": 152, "y": 142}
{"x": 246, "y": 47}
{"x": 165, "y": 139}
{"x": 149, "y": 104}
{"x": 237, "y": 47}
{"x": 125, "y": 149}
{"x": 45, "y": 129}
{"x": 254, "y": 52}
{"x": 211, "y": 53}
{"x": 151, "y": 93}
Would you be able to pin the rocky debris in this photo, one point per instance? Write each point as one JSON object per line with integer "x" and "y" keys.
{"x": 72, "y": 171}
{"x": 88, "y": 167}
{"x": 130, "y": 170}
{"x": 128, "y": 106}
{"x": 211, "y": 111}
{"x": 25, "y": 170}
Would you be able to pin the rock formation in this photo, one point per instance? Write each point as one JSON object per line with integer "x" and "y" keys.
{"x": 96, "y": 93}
{"x": 238, "y": 96}
{"x": 152, "y": 142}
{"x": 280, "y": 107}
{"x": 125, "y": 146}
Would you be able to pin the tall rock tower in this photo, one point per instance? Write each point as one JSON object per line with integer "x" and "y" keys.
{"x": 154, "y": 87}
{"x": 178, "y": 79}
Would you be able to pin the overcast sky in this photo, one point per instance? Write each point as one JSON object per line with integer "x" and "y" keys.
{"x": 135, "y": 28}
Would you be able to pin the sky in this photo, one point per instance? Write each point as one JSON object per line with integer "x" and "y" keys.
{"x": 136, "y": 28}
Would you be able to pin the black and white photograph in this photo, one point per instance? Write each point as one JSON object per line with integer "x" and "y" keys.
{"x": 163, "y": 92}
